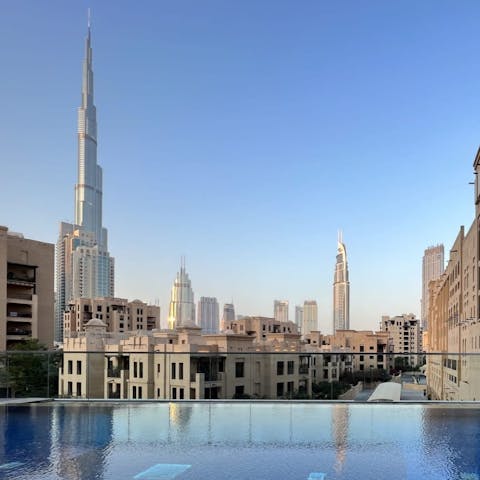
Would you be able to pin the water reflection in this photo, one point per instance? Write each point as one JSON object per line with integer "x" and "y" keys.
{"x": 268, "y": 440}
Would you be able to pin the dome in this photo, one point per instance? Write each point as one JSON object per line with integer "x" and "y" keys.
{"x": 95, "y": 322}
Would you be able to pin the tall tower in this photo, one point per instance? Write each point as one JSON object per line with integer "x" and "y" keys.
{"x": 280, "y": 310}
{"x": 341, "y": 289}
{"x": 208, "y": 315}
{"x": 432, "y": 267}
{"x": 228, "y": 316}
{"x": 182, "y": 306}
{"x": 83, "y": 263}
{"x": 310, "y": 317}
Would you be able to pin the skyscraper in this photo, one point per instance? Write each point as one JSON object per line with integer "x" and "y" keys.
{"x": 280, "y": 310}
{"x": 299, "y": 317}
{"x": 432, "y": 268}
{"x": 310, "y": 317}
{"x": 228, "y": 316}
{"x": 207, "y": 315}
{"x": 83, "y": 263}
{"x": 341, "y": 290}
{"x": 182, "y": 306}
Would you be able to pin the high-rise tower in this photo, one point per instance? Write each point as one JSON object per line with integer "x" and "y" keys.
{"x": 310, "y": 317}
{"x": 432, "y": 268}
{"x": 208, "y": 315}
{"x": 84, "y": 266}
{"x": 182, "y": 306}
{"x": 280, "y": 310}
{"x": 341, "y": 290}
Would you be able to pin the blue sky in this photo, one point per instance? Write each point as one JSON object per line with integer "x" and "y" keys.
{"x": 243, "y": 135}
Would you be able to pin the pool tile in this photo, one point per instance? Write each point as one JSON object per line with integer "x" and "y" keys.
{"x": 162, "y": 471}
{"x": 317, "y": 476}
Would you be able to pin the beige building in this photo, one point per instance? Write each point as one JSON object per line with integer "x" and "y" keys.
{"x": 26, "y": 290}
{"x": 406, "y": 337}
{"x": 181, "y": 364}
{"x": 453, "y": 364}
{"x": 372, "y": 350}
{"x": 118, "y": 314}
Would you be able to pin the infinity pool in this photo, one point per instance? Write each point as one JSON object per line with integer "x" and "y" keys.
{"x": 267, "y": 441}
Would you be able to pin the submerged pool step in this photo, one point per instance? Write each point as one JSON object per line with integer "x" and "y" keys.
{"x": 162, "y": 471}
{"x": 317, "y": 476}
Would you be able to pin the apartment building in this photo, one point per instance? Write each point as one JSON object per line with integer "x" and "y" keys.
{"x": 179, "y": 365}
{"x": 26, "y": 290}
{"x": 454, "y": 332}
{"x": 260, "y": 327}
{"x": 406, "y": 337}
{"x": 118, "y": 314}
{"x": 372, "y": 350}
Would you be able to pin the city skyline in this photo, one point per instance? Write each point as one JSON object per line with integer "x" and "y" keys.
{"x": 299, "y": 130}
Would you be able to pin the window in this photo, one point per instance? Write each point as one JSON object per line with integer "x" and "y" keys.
{"x": 141, "y": 369}
{"x": 239, "y": 370}
{"x": 69, "y": 388}
{"x": 134, "y": 392}
{"x": 158, "y": 368}
{"x": 239, "y": 390}
{"x": 182, "y": 394}
{"x": 362, "y": 348}
{"x": 79, "y": 367}
{"x": 174, "y": 392}
{"x": 174, "y": 371}
{"x": 79, "y": 389}
{"x": 280, "y": 389}
{"x": 158, "y": 393}
{"x": 180, "y": 372}
{"x": 140, "y": 392}
{"x": 279, "y": 368}
{"x": 290, "y": 387}
{"x": 135, "y": 369}
{"x": 290, "y": 367}
{"x": 70, "y": 366}
{"x": 99, "y": 308}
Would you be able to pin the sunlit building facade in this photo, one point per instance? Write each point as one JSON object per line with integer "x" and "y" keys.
{"x": 341, "y": 290}
{"x": 182, "y": 306}
{"x": 208, "y": 315}
{"x": 432, "y": 268}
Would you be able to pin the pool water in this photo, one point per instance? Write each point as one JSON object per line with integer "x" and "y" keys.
{"x": 267, "y": 441}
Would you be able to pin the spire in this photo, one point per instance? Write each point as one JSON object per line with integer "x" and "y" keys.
{"x": 87, "y": 79}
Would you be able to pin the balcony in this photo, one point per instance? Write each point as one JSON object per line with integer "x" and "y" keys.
{"x": 113, "y": 372}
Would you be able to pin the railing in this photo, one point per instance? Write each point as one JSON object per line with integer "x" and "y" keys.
{"x": 19, "y": 296}
{"x": 113, "y": 372}
{"x": 305, "y": 376}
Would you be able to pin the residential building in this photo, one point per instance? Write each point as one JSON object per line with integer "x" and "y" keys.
{"x": 180, "y": 364}
{"x": 280, "y": 310}
{"x": 26, "y": 290}
{"x": 208, "y": 315}
{"x": 118, "y": 314}
{"x": 432, "y": 268}
{"x": 372, "y": 350}
{"x": 84, "y": 267}
{"x": 310, "y": 317}
{"x": 406, "y": 337}
{"x": 341, "y": 289}
{"x": 182, "y": 306}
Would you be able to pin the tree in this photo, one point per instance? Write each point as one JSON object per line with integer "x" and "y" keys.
{"x": 31, "y": 370}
